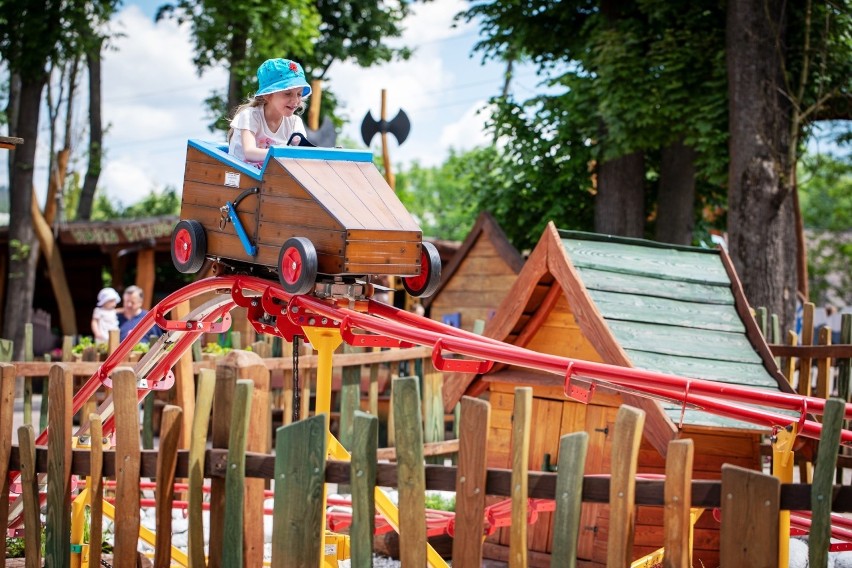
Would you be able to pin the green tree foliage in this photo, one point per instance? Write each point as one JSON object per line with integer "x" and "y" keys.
{"x": 154, "y": 204}
{"x": 825, "y": 189}
{"x": 442, "y": 199}
{"x": 241, "y": 34}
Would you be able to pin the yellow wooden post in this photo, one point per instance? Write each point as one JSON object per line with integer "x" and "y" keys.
{"x": 782, "y": 468}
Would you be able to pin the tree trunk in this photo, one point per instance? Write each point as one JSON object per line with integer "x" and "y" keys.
{"x": 96, "y": 134}
{"x": 676, "y": 199}
{"x": 620, "y": 201}
{"x": 761, "y": 220}
{"x": 239, "y": 48}
{"x": 23, "y": 248}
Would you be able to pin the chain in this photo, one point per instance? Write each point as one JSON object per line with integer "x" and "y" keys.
{"x": 296, "y": 389}
{"x": 105, "y": 564}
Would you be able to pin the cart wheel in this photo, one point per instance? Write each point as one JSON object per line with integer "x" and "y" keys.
{"x": 298, "y": 265}
{"x": 430, "y": 273}
{"x": 189, "y": 246}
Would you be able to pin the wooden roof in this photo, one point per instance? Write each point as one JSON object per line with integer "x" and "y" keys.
{"x": 486, "y": 227}
{"x": 667, "y": 308}
{"x": 354, "y": 193}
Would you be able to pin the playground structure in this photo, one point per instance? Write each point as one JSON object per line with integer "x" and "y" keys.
{"x": 326, "y": 323}
{"x": 324, "y": 268}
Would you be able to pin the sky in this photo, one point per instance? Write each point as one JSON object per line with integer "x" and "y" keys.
{"x": 153, "y": 97}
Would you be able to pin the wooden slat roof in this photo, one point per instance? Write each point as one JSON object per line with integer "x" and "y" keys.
{"x": 675, "y": 310}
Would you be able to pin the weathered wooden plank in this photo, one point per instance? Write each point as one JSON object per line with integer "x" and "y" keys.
{"x": 819, "y": 540}
{"x": 232, "y": 544}
{"x": 367, "y": 201}
{"x": 521, "y": 420}
{"x": 7, "y": 414}
{"x": 627, "y": 435}
{"x": 696, "y": 266}
{"x": 569, "y": 499}
{"x": 198, "y": 442}
{"x": 330, "y": 199}
{"x": 128, "y": 459}
{"x": 365, "y": 441}
{"x": 712, "y": 369}
{"x": 434, "y": 428}
{"x": 678, "y": 497}
{"x": 58, "y": 526}
{"x": 350, "y": 399}
{"x": 226, "y": 381}
{"x": 804, "y": 385}
{"x": 384, "y": 192}
{"x": 298, "y": 516}
{"x": 29, "y": 492}
{"x": 170, "y": 433}
{"x": 383, "y": 251}
{"x": 411, "y": 476}
{"x": 650, "y": 286}
{"x": 684, "y": 342}
{"x": 470, "y": 483}
{"x": 750, "y": 508}
{"x": 96, "y": 489}
{"x": 666, "y": 311}
{"x": 297, "y": 212}
{"x": 823, "y": 366}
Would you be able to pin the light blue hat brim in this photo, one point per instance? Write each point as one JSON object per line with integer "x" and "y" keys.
{"x": 286, "y": 85}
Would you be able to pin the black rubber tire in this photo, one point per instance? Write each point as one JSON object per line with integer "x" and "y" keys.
{"x": 298, "y": 265}
{"x": 430, "y": 273}
{"x": 189, "y": 246}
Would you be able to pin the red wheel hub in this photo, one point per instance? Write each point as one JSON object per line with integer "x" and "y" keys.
{"x": 291, "y": 265}
{"x": 183, "y": 246}
{"x": 419, "y": 282}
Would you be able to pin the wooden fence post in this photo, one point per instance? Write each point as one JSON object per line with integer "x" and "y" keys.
{"x": 29, "y": 490}
{"x": 350, "y": 398}
{"x": 365, "y": 442}
{"x": 411, "y": 476}
{"x": 822, "y": 489}
{"x": 197, "y": 447}
{"x": 235, "y": 478}
{"x": 298, "y": 516}
{"x": 569, "y": 499}
{"x": 470, "y": 483}
{"x": 521, "y": 419}
{"x": 170, "y": 434}
{"x": 58, "y": 528}
{"x": 96, "y": 489}
{"x": 627, "y": 432}
{"x": 7, "y": 413}
{"x": 433, "y": 405}
{"x": 128, "y": 458}
{"x": 677, "y": 523}
{"x": 750, "y": 508}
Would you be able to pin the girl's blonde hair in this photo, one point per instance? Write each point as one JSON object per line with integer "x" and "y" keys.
{"x": 256, "y": 101}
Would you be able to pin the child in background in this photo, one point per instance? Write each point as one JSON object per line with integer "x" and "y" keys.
{"x": 105, "y": 316}
{"x": 269, "y": 118}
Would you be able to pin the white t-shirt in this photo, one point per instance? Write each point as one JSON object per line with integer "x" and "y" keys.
{"x": 252, "y": 119}
{"x": 107, "y": 321}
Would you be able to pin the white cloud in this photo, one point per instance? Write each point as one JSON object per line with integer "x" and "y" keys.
{"x": 469, "y": 132}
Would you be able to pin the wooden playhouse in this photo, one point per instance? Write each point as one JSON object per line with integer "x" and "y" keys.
{"x": 634, "y": 303}
{"x": 477, "y": 278}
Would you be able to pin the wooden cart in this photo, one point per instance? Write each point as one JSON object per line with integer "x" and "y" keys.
{"x": 323, "y": 220}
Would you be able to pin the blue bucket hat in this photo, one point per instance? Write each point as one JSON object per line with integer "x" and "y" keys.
{"x": 280, "y": 75}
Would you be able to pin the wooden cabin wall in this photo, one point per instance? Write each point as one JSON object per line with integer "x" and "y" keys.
{"x": 477, "y": 287}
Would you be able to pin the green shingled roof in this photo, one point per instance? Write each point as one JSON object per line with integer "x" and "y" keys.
{"x": 671, "y": 309}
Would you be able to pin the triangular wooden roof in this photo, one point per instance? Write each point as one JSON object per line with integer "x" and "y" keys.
{"x": 486, "y": 227}
{"x": 667, "y": 308}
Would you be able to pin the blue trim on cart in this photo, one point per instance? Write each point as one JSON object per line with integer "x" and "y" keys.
{"x": 220, "y": 152}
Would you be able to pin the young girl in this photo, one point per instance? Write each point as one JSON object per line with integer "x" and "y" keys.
{"x": 105, "y": 317}
{"x": 269, "y": 118}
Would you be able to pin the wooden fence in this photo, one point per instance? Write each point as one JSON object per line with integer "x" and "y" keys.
{"x": 240, "y": 463}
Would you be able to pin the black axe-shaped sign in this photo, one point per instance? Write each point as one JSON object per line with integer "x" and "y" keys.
{"x": 400, "y": 126}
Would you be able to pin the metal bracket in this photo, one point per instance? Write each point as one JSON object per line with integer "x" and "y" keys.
{"x": 230, "y": 209}
{"x": 458, "y": 365}
{"x": 195, "y": 325}
{"x": 574, "y": 391}
{"x": 368, "y": 339}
